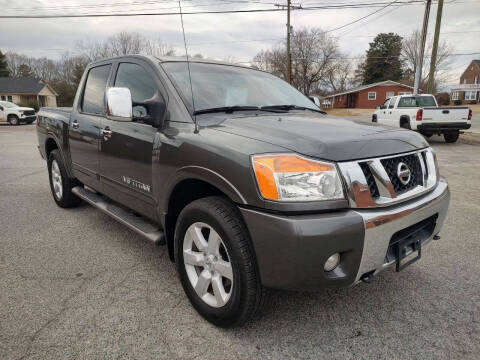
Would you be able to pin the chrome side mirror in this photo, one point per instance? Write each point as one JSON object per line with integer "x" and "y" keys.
{"x": 119, "y": 104}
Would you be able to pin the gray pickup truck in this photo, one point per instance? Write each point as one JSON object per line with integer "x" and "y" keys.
{"x": 248, "y": 184}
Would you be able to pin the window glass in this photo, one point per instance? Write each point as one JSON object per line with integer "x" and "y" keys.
{"x": 385, "y": 104}
{"x": 223, "y": 85}
{"x": 470, "y": 95}
{"x": 372, "y": 95}
{"x": 417, "y": 101}
{"x": 9, "y": 98}
{"x": 392, "y": 102}
{"x": 93, "y": 98}
{"x": 140, "y": 83}
{"x": 389, "y": 94}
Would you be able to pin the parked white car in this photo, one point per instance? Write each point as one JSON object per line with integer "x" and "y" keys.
{"x": 15, "y": 114}
{"x": 421, "y": 113}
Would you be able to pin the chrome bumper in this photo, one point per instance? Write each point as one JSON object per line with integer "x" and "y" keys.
{"x": 381, "y": 223}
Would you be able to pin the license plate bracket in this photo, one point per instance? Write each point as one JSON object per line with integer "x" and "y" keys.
{"x": 403, "y": 250}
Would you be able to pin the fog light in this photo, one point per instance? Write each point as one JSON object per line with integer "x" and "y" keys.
{"x": 332, "y": 262}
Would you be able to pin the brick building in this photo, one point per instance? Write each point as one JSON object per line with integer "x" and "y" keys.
{"x": 469, "y": 88}
{"x": 368, "y": 96}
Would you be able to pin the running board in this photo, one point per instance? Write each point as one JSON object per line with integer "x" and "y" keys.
{"x": 136, "y": 223}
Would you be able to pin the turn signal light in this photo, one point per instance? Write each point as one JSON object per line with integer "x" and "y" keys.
{"x": 419, "y": 115}
{"x": 469, "y": 114}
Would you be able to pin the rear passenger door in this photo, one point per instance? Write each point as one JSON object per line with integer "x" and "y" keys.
{"x": 126, "y": 153}
{"x": 381, "y": 113}
{"x": 85, "y": 122}
{"x": 390, "y": 113}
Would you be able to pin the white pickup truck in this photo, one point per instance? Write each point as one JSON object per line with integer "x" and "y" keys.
{"x": 421, "y": 113}
{"x": 15, "y": 114}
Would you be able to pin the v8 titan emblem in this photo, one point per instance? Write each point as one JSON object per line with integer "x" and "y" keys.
{"x": 136, "y": 184}
{"x": 403, "y": 173}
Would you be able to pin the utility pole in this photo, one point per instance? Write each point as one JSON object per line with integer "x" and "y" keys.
{"x": 433, "y": 59}
{"x": 289, "y": 34}
{"x": 418, "y": 72}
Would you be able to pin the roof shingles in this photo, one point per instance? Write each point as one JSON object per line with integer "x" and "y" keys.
{"x": 10, "y": 85}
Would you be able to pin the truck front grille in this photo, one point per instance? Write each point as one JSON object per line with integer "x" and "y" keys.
{"x": 413, "y": 163}
{"x": 29, "y": 112}
{"x": 376, "y": 182}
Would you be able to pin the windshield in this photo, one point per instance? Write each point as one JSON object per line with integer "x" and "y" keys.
{"x": 417, "y": 101}
{"x": 217, "y": 86}
{"x": 8, "y": 104}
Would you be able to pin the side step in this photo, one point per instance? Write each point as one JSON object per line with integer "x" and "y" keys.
{"x": 136, "y": 223}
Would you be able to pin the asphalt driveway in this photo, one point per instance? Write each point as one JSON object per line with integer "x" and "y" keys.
{"x": 75, "y": 284}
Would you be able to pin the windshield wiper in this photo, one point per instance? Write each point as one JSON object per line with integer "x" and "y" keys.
{"x": 290, "y": 107}
{"x": 225, "y": 109}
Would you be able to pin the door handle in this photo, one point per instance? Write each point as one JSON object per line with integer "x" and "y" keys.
{"x": 75, "y": 125}
{"x": 107, "y": 133}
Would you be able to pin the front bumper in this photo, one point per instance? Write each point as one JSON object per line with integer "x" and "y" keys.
{"x": 291, "y": 250}
{"x": 28, "y": 118}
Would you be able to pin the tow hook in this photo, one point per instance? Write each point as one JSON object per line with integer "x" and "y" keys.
{"x": 436, "y": 237}
{"x": 367, "y": 277}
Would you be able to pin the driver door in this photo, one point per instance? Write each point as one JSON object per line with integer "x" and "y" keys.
{"x": 126, "y": 147}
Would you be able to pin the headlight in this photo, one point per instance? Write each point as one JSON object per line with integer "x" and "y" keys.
{"x": 21, "y": 112}
{"x": 289, "y": 177}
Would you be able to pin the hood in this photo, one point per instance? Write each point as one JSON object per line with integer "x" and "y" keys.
{"x": 21, "y": 108}
{"x": 323, "y": 137}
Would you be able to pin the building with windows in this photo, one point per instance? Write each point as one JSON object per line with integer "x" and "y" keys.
{"x": 27, "y": 92}
{"x": 469, "y": 88}
{"x": 368, "y": 96}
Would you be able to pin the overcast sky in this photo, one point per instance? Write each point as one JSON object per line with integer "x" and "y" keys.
{"x": 222, "y": 35}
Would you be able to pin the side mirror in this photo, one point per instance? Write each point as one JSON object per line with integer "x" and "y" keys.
{"x": 119, "y": 104}
{"x": 1, "y": 108}
{"x": 156, "y": 108}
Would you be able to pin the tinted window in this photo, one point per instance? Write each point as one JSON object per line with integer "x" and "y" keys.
{"x": 139, "y": 82}
{"x": 417, "y": 101}
{"x": 93, "y": 98}
{"x": 385, "y": 104}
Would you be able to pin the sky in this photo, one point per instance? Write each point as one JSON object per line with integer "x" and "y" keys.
{"x": 239, "y": 35}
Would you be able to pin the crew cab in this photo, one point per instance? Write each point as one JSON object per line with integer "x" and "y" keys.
{"x": 422, "y": 113}
{"x": 243, "y": 178}
{"x": 14, "y": 114}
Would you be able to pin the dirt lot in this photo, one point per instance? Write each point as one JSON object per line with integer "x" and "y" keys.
{"x": 75, "y": 284}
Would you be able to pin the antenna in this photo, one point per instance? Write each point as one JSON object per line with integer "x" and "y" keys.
{"x": 188, "y": 67}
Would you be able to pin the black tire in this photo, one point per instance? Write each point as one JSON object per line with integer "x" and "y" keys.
{"x": 405, "y": 124}
{"x": 451, "y": 137}
{"x": 13, "y": 120}
{"x": 247, "y": 293}
{"x": 427, "y": 135}
{"x": 374, "y": 118}
{"x": 67, "y": 199}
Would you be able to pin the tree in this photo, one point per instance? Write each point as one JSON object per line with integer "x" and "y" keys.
{"x": 25, "y": 71}
{"x": 411, "y": 51}
{"x": 383, "y": 59}
{"x": 314, "y": 55}
{"x": 4, "y": 71}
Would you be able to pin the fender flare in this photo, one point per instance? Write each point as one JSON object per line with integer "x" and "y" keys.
{"x": 51, "y": 135}
{"x": 407, "y": 119}
{"x": 204, "y": 174}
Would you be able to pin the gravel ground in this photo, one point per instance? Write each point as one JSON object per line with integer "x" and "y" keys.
{"x": 74, "y": 284}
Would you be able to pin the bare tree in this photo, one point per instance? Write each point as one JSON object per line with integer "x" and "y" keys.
{"x": 339, "y": 76}
{"x": 314, "y": 56}
{"x": 411, "y": 52}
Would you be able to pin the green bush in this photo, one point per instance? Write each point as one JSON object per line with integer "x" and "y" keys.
{"x": 458, "y": 102}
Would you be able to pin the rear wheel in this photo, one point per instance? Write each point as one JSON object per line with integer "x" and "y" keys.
{"x": 13, "y": 120}
{"x": 374, "y": 118}
{"x": 405, "y": 124}
{"x": 451, "y": 137}
{"x": 60, "y": 184}
{"x": 216, "y": 263}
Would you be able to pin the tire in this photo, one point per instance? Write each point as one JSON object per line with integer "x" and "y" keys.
{"x": 60, "y": 184}
{"x": 243, "y": 295}
{"x": 13, "y": 120}
{"x": 427, "y": 135}
{"x": 405, "y": 124}
{"x": 374, "y": 118}
{"x": 451, "y": 137}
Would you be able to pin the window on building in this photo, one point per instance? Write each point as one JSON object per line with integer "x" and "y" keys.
{"x": 470, "y": 95}
{"x": 455, "y": 95}
{"x": 475, "y": 81}
{"x": 404, "y": 93}
{"x": 372, "y": 95}
{"x": 464, "y": 81}
{"x": 3, "y": 97}
{"x": 9, "y": 98}
{"x": 389, "y": 94}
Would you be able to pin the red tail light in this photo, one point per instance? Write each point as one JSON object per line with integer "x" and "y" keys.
{"x": 469, "y": 114}
{"x": 419, "y": 115}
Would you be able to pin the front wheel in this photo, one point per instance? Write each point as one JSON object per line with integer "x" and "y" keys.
{"x": 216, "y": 263}
{"x": 13, "y": 120}
{"x": 374, "y": 118}
{"x": 451, "y": 137}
